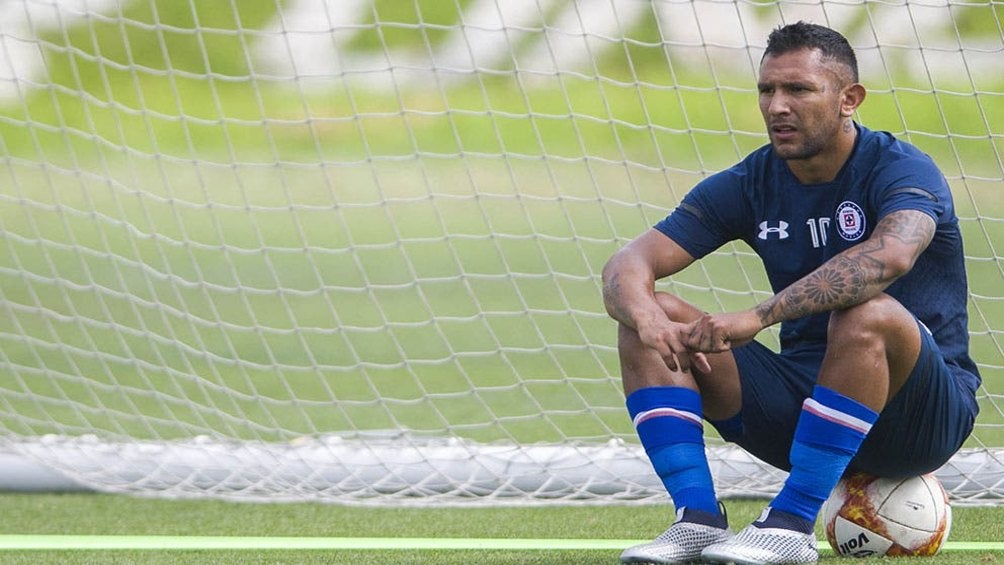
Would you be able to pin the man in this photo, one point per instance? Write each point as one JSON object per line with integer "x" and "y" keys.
{"x": 860, "y": 242}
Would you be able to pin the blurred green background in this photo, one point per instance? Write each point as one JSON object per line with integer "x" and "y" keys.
{"x": 197, "y": 242}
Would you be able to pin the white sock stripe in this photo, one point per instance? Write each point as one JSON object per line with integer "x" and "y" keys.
{"x": 837, "y": 416}
{"x": 667, "y": 412}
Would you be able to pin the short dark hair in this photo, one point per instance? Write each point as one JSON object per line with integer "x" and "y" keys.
{"x": 803, "y": 35}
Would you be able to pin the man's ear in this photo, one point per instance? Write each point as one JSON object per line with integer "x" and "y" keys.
{"x": 852, "y": 97}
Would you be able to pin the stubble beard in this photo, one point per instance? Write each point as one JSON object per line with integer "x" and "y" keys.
{"x": 809, "y": 147}
{"x": 804, "y": 150}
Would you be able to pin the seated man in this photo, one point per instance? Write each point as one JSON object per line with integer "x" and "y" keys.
{"x": 858, "y": 235}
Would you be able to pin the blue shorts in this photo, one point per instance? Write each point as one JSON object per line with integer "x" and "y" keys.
{"x": 922, "y": 427}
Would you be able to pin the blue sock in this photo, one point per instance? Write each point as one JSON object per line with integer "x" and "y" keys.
{"x": 828, "y": 434}
{"x": 669, "y": 424}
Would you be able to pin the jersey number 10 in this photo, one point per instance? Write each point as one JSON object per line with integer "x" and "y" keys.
{"x": 817, "y": 229}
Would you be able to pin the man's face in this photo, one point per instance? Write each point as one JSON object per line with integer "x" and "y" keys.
{"x": 800, "y": 100}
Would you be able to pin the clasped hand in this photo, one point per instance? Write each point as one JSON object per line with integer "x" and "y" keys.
{"x": 684, "y": 346}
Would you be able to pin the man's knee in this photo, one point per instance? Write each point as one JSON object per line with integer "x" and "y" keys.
{"x": 871, "y": 350}
{"x": 676, "y": 308}
{"x": 872, "y": 322}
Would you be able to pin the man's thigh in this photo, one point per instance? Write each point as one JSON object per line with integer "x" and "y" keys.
{"x": 921, "y": 428}
{"x": 924, "y": 424}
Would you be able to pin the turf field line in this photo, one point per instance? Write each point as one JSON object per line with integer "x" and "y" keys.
{"x": 107, "y": 542}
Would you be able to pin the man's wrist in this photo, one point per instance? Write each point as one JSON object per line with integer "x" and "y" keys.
{"x": 766, "y": 312}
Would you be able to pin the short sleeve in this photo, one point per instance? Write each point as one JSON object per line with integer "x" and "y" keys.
{"x": 710, "y": 215}
{"x": 913, "y": 183}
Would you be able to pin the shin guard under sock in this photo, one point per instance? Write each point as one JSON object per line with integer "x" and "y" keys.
{"x": 669, "y": 424}
{"x": 829, "y": 432}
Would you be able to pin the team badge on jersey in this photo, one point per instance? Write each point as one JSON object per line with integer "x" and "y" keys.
{"x": 850, "y": 221}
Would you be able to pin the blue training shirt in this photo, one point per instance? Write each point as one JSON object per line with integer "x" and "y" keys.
{"x": 795, "y": 228}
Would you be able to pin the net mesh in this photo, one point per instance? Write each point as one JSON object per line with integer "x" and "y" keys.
{"x": 257, "y": 228}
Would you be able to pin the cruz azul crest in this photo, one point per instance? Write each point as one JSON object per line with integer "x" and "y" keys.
{"x": 850, "y": 220}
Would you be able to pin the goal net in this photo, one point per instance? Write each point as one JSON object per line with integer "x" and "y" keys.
{"x": 350, "y": 250}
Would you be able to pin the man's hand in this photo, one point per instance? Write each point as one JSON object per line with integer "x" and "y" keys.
{"x": 715, "y": 333}
{"x": 669, "y": 339}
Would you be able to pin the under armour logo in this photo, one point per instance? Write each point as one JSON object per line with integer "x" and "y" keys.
{"x": 781, "y": 230}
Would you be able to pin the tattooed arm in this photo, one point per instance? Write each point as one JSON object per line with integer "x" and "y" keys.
{"x": 852, "y": 277}
{"x": 630, "y": 274}
{"x": 629, "y": 294}
{"x": 858, "y": 273}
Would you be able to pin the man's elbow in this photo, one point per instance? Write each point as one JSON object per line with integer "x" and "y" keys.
{"x": 609, "y": 269}
{"x": 898, "y": 265}
{"x": 610, "y": 281}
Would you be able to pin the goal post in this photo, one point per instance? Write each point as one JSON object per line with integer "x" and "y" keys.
{"x": 350, "y": 250}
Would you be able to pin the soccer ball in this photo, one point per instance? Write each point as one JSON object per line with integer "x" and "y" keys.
{"x": 867, "y": 515}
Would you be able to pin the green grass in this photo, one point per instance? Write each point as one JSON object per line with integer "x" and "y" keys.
{"x": 188, "y": 253}
{"x": 117, "y": 515}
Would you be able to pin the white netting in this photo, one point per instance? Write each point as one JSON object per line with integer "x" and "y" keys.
{"x": 261, "y": 226}
{"x": 375, "y": 469}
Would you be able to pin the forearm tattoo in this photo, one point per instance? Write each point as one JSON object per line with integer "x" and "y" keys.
{"x": 840, "y": 282}
{"x": 854, "y": 275}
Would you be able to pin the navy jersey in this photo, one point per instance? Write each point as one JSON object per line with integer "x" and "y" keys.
{"x": 795, "y": 228}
